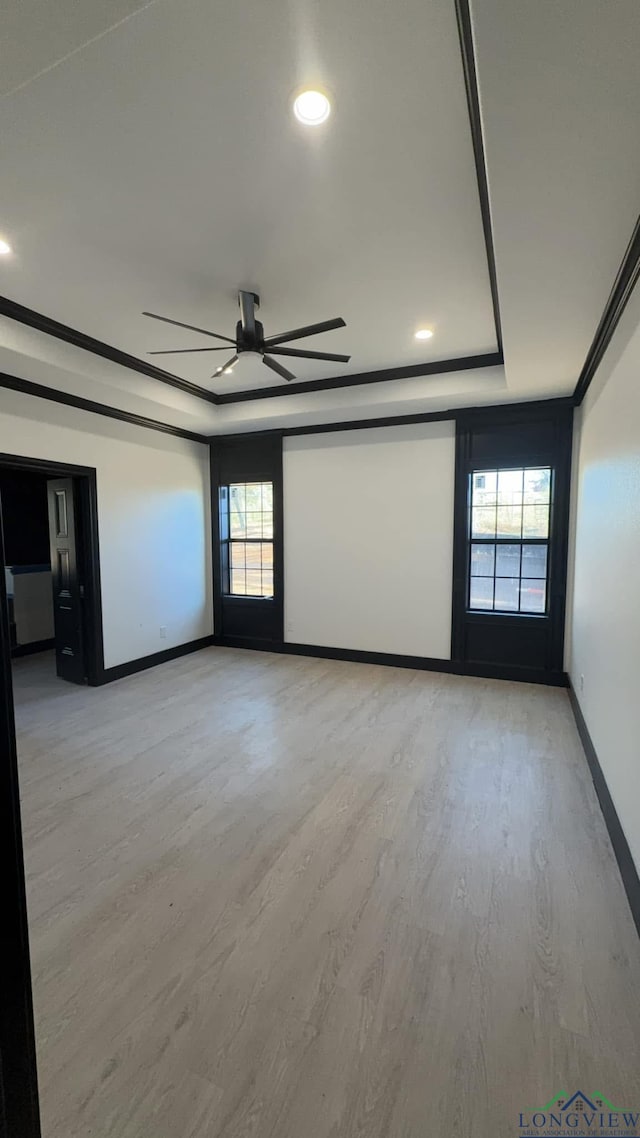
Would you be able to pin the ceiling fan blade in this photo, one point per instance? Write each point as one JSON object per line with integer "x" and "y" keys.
{"x": 310, "y": 330}
{"x": 278, "y": 351}
{"x": 247, "y": 302}
{"x": 223, "y": 367}
{"x": 275, "y": 366}
{"x": 180, "y": 351}
{"x": 191, "y": 327}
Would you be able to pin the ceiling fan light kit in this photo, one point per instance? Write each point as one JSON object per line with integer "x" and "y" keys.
{"x": 250, "y": 338}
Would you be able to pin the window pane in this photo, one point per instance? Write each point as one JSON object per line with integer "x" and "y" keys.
{"x": 267, "y": 495}
{"x": 254, "y": 524}
{"x": 481, "y": 593}
{"x": 534, "y": 560}
{"x": 508, "y": 561}
{"x": 267, "y": 583}
{"x": 237, "y": 555}
{"x": 535, "y": 520}
{"x": 253, "y": 552}
{"x": 511, "y": 575}
{"x": 482, "y": 560}
{"x": 237, "y": 582}
{"x": 484, "y": 487}
{"x": 533, "y": 595}
{"x": 507, "y": 594}
{"x": 484, "y": 521}
{"x": 236, "y": 521}
{"x": 236, "y": 496}
{"x": 254, "y": 583}
{"x": 267, "y": 555}
{"x": 510, "y": 487}
{"x": 509, "y": 521}
{"x": 537, "y": 485}
{"x": 253, "y": 496}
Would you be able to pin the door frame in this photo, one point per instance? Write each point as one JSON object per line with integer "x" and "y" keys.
{"x": 88, "y": 511}
{"x": 19, "y": 1110}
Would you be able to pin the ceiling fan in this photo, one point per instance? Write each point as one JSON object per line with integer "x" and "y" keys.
{"x": 250, "y": 338}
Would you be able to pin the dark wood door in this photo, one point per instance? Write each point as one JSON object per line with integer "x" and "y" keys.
{"x": 18, "y": 1074}
{"x": 66, "y": 581}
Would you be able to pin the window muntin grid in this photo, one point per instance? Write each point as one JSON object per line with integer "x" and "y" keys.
{"x": 509, "y": 514}
{"x": 250, "y": 539}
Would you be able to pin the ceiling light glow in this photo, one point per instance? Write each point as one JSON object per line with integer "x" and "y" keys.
{"x": 228, "y": 371}
{"x": 423, "y": 334}
{"x": 4, "y": 248}
{"x": 312, "y": 108}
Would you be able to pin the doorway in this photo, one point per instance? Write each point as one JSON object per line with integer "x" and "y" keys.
{"x": 51, "y": 564}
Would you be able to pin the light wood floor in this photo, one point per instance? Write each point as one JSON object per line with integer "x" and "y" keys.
{"x": 274, "y": 897}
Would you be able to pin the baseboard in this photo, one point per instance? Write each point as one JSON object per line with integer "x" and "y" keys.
{"x": 626, "y": 864}
{"x": 393, "y": 660}
{"x": 356, "y": 656}
{"x": 251, "y": 642}
{"x": 32, "y": 648}
{"x": 132, "y": 666}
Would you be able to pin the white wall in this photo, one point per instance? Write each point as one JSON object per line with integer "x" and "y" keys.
{"x": 368, "y": 538}
{"x": 604, "y": 624}
{"x": 153, "y": 519}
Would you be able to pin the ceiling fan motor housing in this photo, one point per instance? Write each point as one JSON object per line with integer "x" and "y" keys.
{"x": 246, "y": 343}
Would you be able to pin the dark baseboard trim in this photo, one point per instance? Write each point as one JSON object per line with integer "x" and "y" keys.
{"x": 626, "y": 864}
{"x": 393, "y": 660}
{"x": 26, "y": 387}
{"x": 624, "y": 284}
{"x": 250, "y": 642}
{"x": 120, "y": 671}
{"x": 32, "y": 648}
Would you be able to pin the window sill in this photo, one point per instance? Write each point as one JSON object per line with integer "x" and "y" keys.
{"x": 492, "y": 614}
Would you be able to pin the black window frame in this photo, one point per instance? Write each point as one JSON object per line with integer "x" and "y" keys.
{"x": 247, "y": 621}
{"x": 509, "y": 644}
{"x": 520, "y": 541}
{"x": 227, "y": 541}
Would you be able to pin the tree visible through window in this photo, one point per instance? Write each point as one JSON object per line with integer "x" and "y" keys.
{"x": 509, "y": 539}
{"x": 249, "y": 538}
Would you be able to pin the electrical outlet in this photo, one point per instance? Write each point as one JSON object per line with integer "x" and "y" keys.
{"x": 581, "y": 683}
{"x": 163, "y": 632}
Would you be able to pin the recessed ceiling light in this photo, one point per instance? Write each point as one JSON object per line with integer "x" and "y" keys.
{"x": 4, "y": 248}
{"x": 312, "y": 108}
{"x": 424, "y": 334}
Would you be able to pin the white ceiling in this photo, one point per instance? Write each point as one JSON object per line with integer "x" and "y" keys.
{"x": 560, "y": 97}
{"x": 151, "y": 161}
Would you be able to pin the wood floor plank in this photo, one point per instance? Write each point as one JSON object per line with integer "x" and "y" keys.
{"x": 273, "y": 896}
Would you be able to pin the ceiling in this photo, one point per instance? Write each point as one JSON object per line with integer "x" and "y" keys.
{"x": 152, "y": 162}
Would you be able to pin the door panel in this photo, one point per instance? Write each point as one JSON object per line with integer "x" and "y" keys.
{"x": 66, "y": 582}
{"x": 18, "y": 1073}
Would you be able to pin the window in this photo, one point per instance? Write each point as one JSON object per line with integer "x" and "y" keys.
{"x": 509, "y": 540}
{"x": 247, "y": 509}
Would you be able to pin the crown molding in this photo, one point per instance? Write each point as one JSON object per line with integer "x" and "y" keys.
{"x": 26, "y": 387}
{"x": 50, "y": 327}
{"x": 382, "y": 375}
{"x": 624, "y": 284}
{"x": 465, "y": 33}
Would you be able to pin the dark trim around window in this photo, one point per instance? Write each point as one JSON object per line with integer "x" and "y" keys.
{"x": 520, "y": 436}
{"x": 246, "y": 620}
